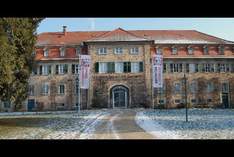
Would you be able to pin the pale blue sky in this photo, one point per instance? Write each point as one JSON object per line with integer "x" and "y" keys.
{"x": 220, "y": 27}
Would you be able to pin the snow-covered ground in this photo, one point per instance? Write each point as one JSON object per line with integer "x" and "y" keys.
{"x": 202, "y": 124}
{"x": 60, "y": 125}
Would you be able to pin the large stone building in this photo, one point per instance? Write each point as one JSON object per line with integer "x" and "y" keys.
{"x": 121, "y": 73}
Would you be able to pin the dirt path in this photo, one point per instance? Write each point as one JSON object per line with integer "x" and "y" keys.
{"x": 119, "y": 124}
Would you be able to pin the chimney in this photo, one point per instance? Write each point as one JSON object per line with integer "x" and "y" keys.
{"x": 64, "y": 30}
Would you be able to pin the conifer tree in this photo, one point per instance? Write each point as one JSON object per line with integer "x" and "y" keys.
{"x": 17, "y": 41}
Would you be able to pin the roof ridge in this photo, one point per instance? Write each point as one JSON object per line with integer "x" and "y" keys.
{"x": 126, "y": 31}
{"x": 214, "y": 37}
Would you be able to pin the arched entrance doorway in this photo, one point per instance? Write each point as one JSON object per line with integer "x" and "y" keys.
{"x": 119, "y": 96}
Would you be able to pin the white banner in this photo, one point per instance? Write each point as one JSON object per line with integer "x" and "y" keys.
{"x": 157, "y": 72}
{"x": 85, "y": 61}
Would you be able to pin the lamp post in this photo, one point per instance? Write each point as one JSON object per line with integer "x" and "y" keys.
{"x": 185, "y": 92}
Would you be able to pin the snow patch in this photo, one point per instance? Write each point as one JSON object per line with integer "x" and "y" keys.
{"x": 154, "y": 128}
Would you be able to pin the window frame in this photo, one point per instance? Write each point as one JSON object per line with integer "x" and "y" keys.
{"x": 59, "y": 89}
{"x": 45, "y": 52}
{"x": 62, "y": 51}
{"x": 133, "y": 50}
{"x": 117, "y": 50}
{"x": 44, "y": 91}
{"x": 102, "y": 50}
{"x": 174, "y": 50}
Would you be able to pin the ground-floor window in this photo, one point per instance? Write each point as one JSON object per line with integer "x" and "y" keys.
{"x": 45, "y": 89}
{"x": 61, "y": 89}
{"x": 7, "y": 104}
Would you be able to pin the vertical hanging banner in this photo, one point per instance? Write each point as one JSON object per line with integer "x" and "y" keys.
{"x": 85, "y": 61}
{"x": 157, "y": 72}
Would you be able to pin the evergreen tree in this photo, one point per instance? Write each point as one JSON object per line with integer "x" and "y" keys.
{"x": 17, "y": 40}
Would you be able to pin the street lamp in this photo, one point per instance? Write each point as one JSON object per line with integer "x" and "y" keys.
{"x": 185, "y": 92}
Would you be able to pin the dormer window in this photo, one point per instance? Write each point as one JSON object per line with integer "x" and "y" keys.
{"x": 46, "y": 52}
{"x": 118, "y": 50}
{"x": 190, "y": 50}
{"x": 221, "y": 50}
{"x": 174, "y": 50}
{"x": 62, "y": 51}
{"x": 159, "y": 51}
{"x": 78, "y": 51}
{"x": 205, "y": 50}
{"x": 102, "y": 51}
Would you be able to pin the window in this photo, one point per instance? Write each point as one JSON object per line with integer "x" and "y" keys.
{"x": 31, "y": 90}
{"x": 206, "y": 50}
{"x": 127, "y": 67}
{"x": 193, "y": 87}
{"x": 177, "y": 101}
{"x": 161, "y": 101}
{"x": 225, "y": 87}
{"x": 61, "y": 68}
{"x": 196, "y": 68}
{"x": 102, "y": 51}
{"x": 75, "y": 68}
{"x": 110, "y": 67}
{"x": 7, "y": 104}
{"x": 159, "y": 50}
{"x": 164, "y": 68}
{"x": 193, "y": 101}
{"x": 34, "y": 71}
{"x": 62, "y": 51}
{"x": 102, "y": 67}
{"x": 78, "y": 51}
{"x": 222, "y": 67}
{"x": 119, "y": 67}
{"x": 134, "y": 50}
{"x": 232, "y": 68}
{"x": 210, "y": 87}
{"x": 61, "y": 89}
{"x": 190, "y": 50}
{"x": 45, "y": 89}
{"x": 187, "y": 68}
{"x": 176, "y": 67}
{"x": 34, "y": 53}
{"x": 207, "y": 67}
{"x": 46, "y": 53}
{"x": 177, "y": 87}
{"x": 45, "y": 69}
{"x": 209, "y": 100}
{"x": 77, "y": 89}
{"x": 228, "y": 68}
{"x": 135, "y": 67}
{"x": 192, "y": 68}
{"x": 221, "y": 50}
{"x": 174, "y": 50}
{"x": 118, "y": 50}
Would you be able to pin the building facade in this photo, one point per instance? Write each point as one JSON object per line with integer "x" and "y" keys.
{"x": 121, "y": 72}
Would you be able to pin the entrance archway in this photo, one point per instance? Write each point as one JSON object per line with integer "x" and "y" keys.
{"x": 119, "y": 96}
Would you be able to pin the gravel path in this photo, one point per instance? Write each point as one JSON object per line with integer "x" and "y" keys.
{"x": 119, "y": 124}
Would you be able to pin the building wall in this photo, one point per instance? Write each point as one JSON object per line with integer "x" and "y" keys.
{"x": 137, "y": 83}
{"x": 53, "y": 99}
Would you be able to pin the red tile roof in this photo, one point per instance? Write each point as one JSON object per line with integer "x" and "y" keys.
{"x": 119, "y": 35}
{"x": 159, "y": 36}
